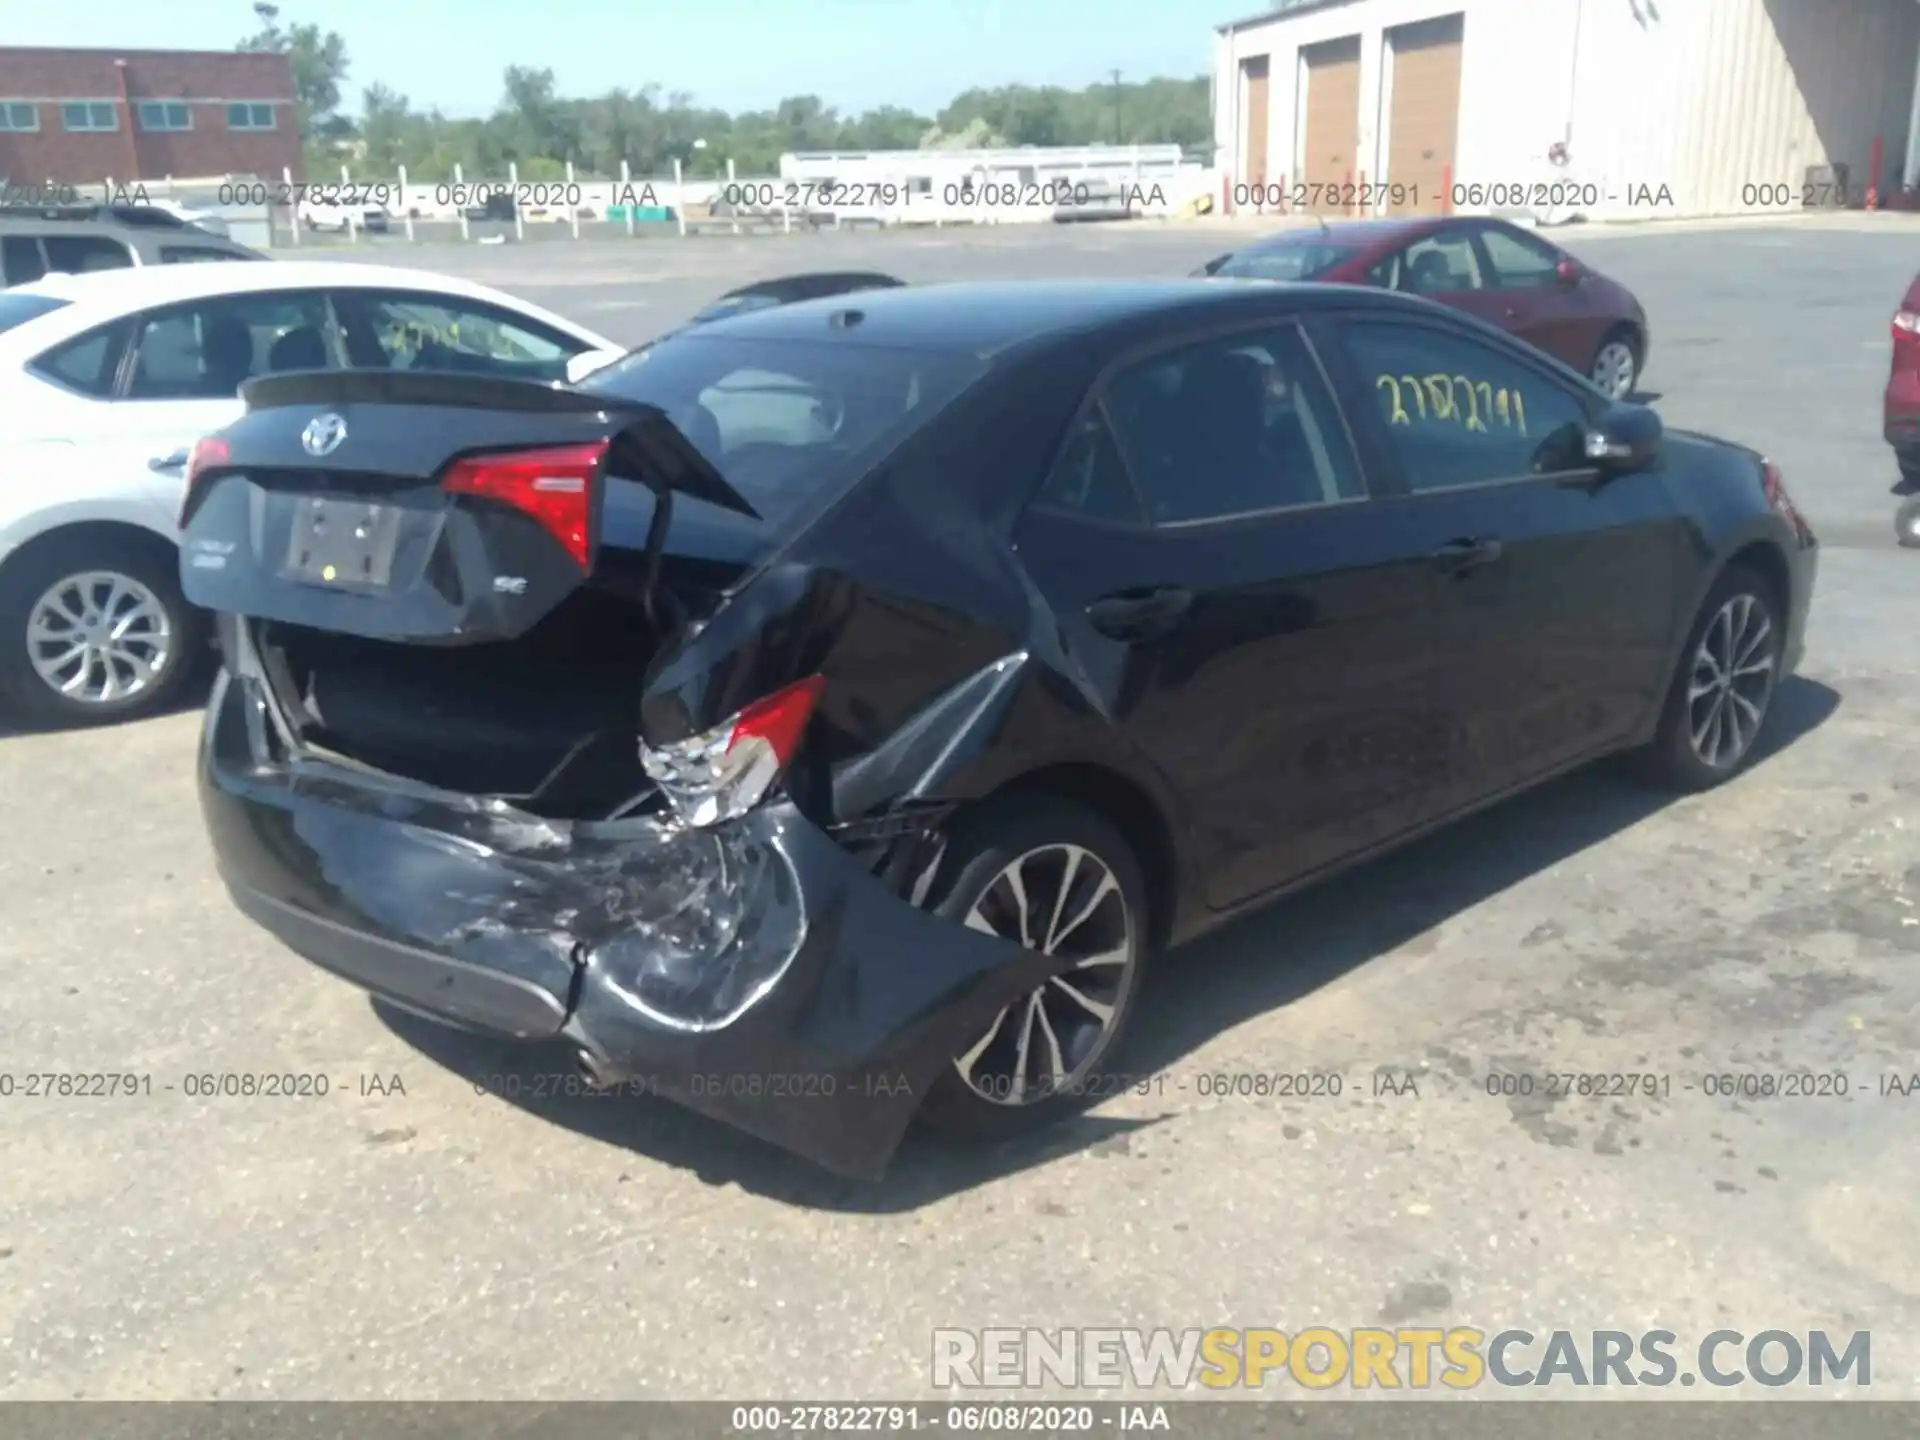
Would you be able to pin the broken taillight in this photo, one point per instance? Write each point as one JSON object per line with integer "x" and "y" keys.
{"x": 725, "y": 772}
{"x": 207, "y": 452}
{"x": 553, "y": 485}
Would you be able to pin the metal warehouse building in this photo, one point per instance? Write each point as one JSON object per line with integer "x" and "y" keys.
{"x": 1674, "y": 107}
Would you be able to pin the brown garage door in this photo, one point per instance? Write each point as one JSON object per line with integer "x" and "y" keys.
{"x": 1333, "y": 121}
{"x": 1255, "y": 73}
{"x": 1424, "y": 121}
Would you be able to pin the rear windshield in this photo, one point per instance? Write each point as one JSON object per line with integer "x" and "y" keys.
{"x": 1294, "y": 260}
{"x": 17, "y": 309}
{"x": 789, "y": 422}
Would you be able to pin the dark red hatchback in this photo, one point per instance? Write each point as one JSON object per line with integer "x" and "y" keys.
{"x": 1491, "y": 269}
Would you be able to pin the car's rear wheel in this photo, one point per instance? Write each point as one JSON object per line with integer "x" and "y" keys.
{"x": 1616, "y": 364}
{"x": 1056, "y": 878}
{"x": 1723, "y": 689}
{"x": 1906, "y": 524}
{"x": 94, "y": 631}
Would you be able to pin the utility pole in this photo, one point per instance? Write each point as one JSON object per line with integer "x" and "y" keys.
{"x": 1116, "y": 107}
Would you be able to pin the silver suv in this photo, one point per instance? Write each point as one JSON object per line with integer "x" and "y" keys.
{"x": 76, "y": 238}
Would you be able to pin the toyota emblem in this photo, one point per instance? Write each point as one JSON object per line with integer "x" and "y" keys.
{"x": 323, "y": 435}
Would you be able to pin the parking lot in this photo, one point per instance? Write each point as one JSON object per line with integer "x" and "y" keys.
{"x": 417, "y": 1233}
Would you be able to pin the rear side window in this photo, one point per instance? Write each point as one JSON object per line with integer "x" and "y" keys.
{"x": 20, "y": 257}
{"x": 1234, "y": 426}
{"x": 1091, "y": 479}
{"x": 85, "y": 363}
{"x": 788, "y": 422}
{"x": 19, "y": 309}
{"x": 78, "y": 254}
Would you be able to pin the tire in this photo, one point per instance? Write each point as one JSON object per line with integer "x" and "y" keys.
{"x": 980, "y": 850}
{"x": 149, "y": 579}
{"x": 1621, "y": 336}
{"x": 1906, "y": 524}
{"x": 1677, "y": 760}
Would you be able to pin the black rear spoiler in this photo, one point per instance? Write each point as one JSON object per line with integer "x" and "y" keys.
{"x": 646, "y": 443}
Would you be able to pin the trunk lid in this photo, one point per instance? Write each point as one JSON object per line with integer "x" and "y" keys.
{"x": 424, "y": 508}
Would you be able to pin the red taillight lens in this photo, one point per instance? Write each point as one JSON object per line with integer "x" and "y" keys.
{"x": 780, "y": 719}
{"x": 552, "y": 485}
{"x": 1778, "y": 498}
{"x": 724, "y": 772}
{"x": 207, "y": 452}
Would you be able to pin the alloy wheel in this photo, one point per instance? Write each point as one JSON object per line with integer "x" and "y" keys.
{"x": 1730, "y": 683}
{"x": 1613, "y": 369}
{"x": 1060, "y": 900}
{"x": 99, "y": 637}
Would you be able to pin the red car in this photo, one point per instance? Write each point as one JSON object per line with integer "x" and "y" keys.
{"x": 1901, "y": 410}
{"x": 1506, "y": 276}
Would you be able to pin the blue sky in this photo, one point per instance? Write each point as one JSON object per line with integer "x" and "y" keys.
{"x": 737, "y": 54}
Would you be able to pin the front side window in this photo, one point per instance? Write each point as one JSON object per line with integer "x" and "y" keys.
{"x": 1458, "y": 412}
{"x": 400, "y": 331}
{"x": 249, "y": 115}
{"x": 1519, "y": 261}
{"x": 207, "y": 350}
{"x": 165, "y": 115}
{"x": 90, "y": 115}
{"x": 1233, "y": 426}
{"x": 19, "y": 117}
{"x": 79, "y": 254}
{"x": 1440, "y": 265}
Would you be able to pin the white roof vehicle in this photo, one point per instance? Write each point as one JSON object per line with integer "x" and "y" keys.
{"x": 106, "y": 381}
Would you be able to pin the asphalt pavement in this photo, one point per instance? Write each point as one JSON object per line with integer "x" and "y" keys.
{"x": 433, "y": 1228}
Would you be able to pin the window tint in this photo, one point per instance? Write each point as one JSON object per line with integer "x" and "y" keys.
{"x": 788, "y": 422}
{"x": 1231, "y": 427}
{"x": 1459, "y": 412}
{"x": 1440, "y": 265}
{"x": 85, "y": 363}
{"x": 1519, "y": 261}
{"x": 21, "y": 258}
{"x": 18, "y": 309}
{"x": 1090, "y": 477}
{"x": 399, "y": 331}
{"x": 206, "y": 350}
{"x": 77, "y": 254}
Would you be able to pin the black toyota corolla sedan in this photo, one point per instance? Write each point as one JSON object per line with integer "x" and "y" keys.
{"x": 822, "y": 716}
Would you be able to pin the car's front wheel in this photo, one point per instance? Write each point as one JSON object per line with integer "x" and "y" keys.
{"x": 1723, "y": 690}
{"x": 1616, "y": 364}
{"x": 94, "y": 631}
{"x": 1054, "y": 877}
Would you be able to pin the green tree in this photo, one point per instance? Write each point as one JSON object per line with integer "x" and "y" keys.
{"x": 319, "y": 62}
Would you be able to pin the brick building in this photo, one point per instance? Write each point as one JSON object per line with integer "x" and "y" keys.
{"x": 80, "y": 117}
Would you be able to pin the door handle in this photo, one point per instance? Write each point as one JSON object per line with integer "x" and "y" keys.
{"x": 1457, "y": 557}
{"x": 1139, "y": 615}
{"x": 168, "y": 464}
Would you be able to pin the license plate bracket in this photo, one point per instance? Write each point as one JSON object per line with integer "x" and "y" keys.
{"x": 340, "y": 544}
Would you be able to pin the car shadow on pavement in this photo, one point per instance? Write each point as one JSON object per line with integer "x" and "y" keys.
{"x": 1261, "y": 963}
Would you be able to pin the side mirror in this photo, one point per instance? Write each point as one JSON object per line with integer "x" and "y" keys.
{"x": 1212, "y": 267}
{"x": 1568, "y": 272}
{"x": 588, "y": 361}
{"x": 1625, "y": 438}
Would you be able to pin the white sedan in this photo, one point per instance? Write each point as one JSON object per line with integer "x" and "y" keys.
{"x": 107, "y": 379}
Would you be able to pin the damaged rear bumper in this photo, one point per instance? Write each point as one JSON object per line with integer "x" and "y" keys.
{"x": 754, "y": 971}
